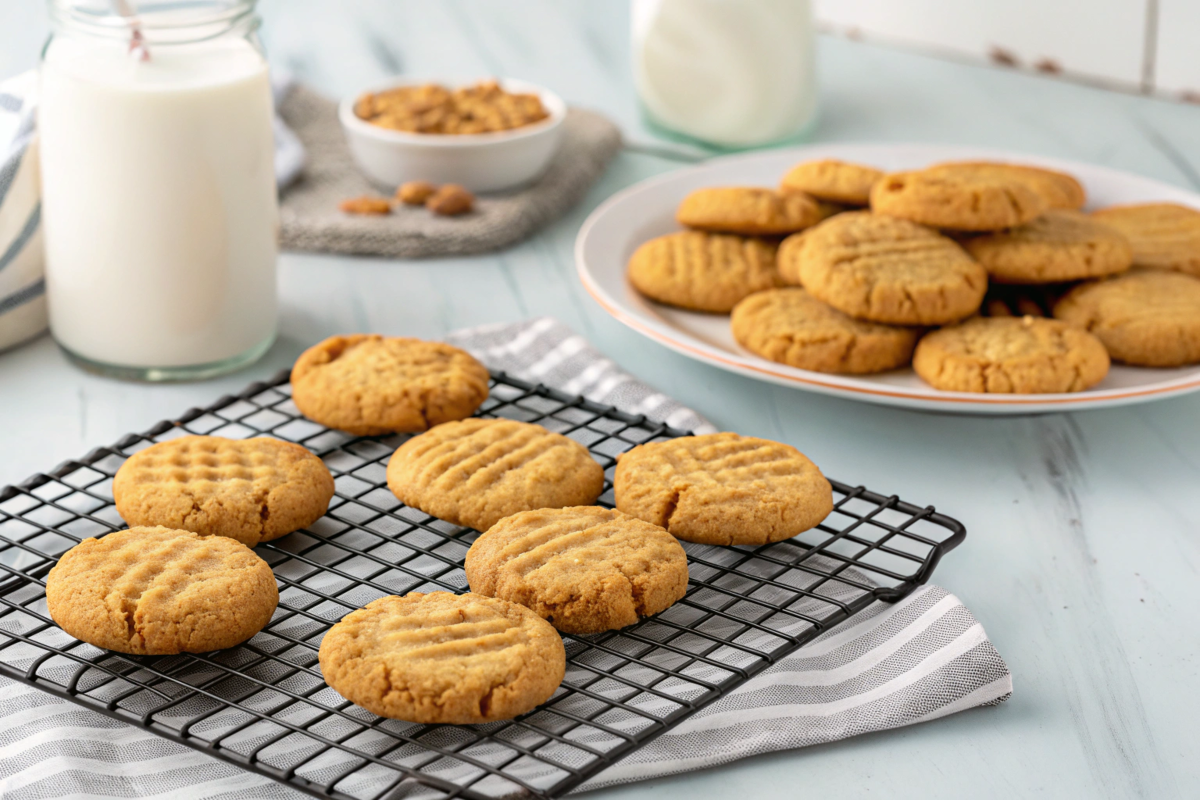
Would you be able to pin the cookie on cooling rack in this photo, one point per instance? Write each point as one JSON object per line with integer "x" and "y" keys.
{"x": 1058, "y": 246}
{"x": 367, "y": 384}
{"x": 1150, "y": 318}
{"x": 1163, "y": 235}
{"x": 790, "y": 326}
{"x": 477, "y": 471}
{"x": 889, "y": 270}
{"x": 251, "y": 490}
{"x": 703, "y": 271}
{"x": 723, "y": 488}
{"x": 1019, "y": 355}
{"x": 957, "y": 198}
{"x": 748, "y": 210}
{"x": 159, "y": 591}
{"x": 584, "y": 569}
{"x": 443, "y": 658}
{"x": 832, "y": 180}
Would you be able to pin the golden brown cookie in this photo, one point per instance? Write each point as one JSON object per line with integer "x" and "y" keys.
{"x": 158, "y": 591}
{"x": 723, "y": 489}
{"x": 585, "y": 569}
{"x": 789, "y": 256}
{"x": 443, "y": 658}
{"x": 478, "y": 471}
{"x": 748, "y": 210}
{"x": 957, "y": 199}
{"x": 832, "y": 180}
{"x": 367, "y": 384}
{"x": 884, "y": 269}
{"x": 1058, "y": 189}
{"x": 703, "y": 271}
{"x": 1059, "y": 245}
{"x": 1150, "y": 318}
{"x": 1017, "y": 355}
{"x": 1163, "y": 235}
{"x": 792, "y": 327}
{"x": 251, "y": 490}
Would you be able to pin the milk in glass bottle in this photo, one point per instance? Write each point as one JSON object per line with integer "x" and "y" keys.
{"x": 158, "y": 189}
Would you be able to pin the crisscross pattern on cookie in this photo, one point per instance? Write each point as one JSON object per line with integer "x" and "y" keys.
{"x": 441, "y": 657}
{"x": 748, "y": 210}
{"x": 1163, "y": 235}
{"x": 703, "y": 271}
{"x": 161, "y": 591}
{"x": 478, "y": 471}
{"x": 585, "y": 569}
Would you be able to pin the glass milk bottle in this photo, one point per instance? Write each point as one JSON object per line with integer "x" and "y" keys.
{"x": 730, "y": 73}
{"x": 158, "y": 189}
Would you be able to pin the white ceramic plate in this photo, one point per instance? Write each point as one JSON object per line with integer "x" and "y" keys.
{"x": 647, "y": 209}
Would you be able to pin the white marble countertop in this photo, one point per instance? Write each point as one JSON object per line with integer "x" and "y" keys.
{"x": 1084, "y": 547}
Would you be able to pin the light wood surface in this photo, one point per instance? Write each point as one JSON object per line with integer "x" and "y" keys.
{"x": 1084, "y": 547}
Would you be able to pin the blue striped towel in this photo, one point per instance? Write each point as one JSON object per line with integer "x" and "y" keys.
{"x": 22, "y": 285}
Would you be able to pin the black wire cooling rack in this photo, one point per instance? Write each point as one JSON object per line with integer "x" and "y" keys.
{"x": 263, "y": 705}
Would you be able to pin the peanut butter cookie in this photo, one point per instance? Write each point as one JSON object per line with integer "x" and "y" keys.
{"x": 1017, "y": 355}
{"x": 367, "y": 384}
{"x": 703, "y": 271}
{"x": 792, "y": 327}
{"x": 890, "y": 270}
{"x": 1163, "y": 235}
{"x": 833, "y": 180}
{"x": 1150, "y": 318}
{"x": 723, "y": 489}
{"x": 443, "y": 658}
{"x": 1058, "y": 189}
{"x": 478, "y": 471}
{"x": 584, "y": 569}
{"x": 748, "y": 210}
{"x": 158, "y": 591}
{"x": 251, "y": 490}
{"x": 789, "y": 256}
{"x": 958, "y": 199}
{"x": 1059, "y": 245}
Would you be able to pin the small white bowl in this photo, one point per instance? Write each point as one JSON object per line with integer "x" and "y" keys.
{"x": 482, "y": 162}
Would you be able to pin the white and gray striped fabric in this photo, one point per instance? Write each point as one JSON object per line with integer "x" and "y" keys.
{"x": 22, "y": 285}
{"x": 890, "y": 666}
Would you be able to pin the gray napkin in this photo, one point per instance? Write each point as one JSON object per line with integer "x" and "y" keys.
{"x": 312, "y": 221}
{"x": 891, "y": 665}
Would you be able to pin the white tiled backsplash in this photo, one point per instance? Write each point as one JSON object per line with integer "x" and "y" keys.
{"x": 1138, "y": 45}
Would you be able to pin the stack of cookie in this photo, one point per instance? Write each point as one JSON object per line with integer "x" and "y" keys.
{"x": 548, "y": 560}
{"x": 872, "y": 261}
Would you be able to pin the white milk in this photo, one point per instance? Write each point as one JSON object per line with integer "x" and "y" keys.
{"x": 159, "y": 201}
{"x": 731, "y": 72}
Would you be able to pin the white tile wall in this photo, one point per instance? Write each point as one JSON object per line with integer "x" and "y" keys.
{"x": 1147, "y": 45}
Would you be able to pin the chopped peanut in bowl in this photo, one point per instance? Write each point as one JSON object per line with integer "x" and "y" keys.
{"x": 432, "y": 108}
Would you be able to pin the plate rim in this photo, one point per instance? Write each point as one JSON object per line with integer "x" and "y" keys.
{"x": 807, "y": 380}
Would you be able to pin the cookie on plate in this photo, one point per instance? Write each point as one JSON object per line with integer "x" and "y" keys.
{"x": 956, "y": 199}
{"x": 251, "y": 490}
{"x": 723, "y": 488}
{"x": 443, "y": 658}
{"x": 748, "y": 210}
{"x": 478, "y": 471}
{"x": 883, "y": 269}
{"x": 367, "y": 384}
{"x": 792, "y": 327}
{"x": 703, "y": 271}
{"x": 789, "y": 256}
{"x": 832, "y": 180}
{"x": 1163, "y": 235}
{"x": 1150, "y": 318}
{"x": 159, "y": 591}
{"x": 1058, "y": 189}
{"x": 584, "y": 569}
{"x": 1015, "y": 355}
{"x": 1058, "y": 246}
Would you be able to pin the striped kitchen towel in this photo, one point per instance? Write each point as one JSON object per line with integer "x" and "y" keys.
{"x": 890, "y": 666}
{"x": 22, "y": 285}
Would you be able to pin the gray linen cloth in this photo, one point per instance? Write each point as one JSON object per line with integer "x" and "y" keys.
{"x": 890, "y": 666}
{"x": 309, "y": 207}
